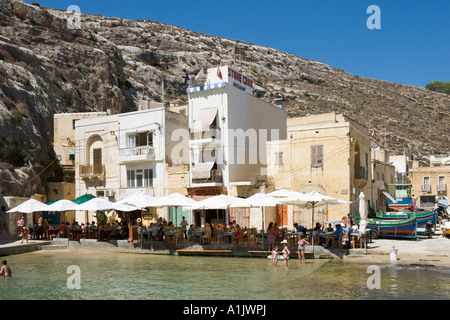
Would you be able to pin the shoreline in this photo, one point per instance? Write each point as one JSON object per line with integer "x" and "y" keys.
{"x": 423, "y": 252}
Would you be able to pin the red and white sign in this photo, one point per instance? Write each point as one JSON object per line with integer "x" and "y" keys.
{"x": 240, "y": 81}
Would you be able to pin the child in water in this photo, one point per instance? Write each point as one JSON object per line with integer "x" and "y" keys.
{"x": 286, "y": 253}
{"x": 275, "y": 256}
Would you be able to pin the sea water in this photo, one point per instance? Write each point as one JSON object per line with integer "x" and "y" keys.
{"x": 106, "y": 276}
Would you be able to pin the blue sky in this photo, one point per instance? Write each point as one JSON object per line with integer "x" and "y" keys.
{"x": 412, "y": 47}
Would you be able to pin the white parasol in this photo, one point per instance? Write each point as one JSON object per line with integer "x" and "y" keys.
{"x": 219, "y": 202}
{"x": 29, "y": 206}
{"x": 96, "y": 204}
{"x": 259, "y": 200}
{"x": 363, "y": 213}
{"x": 62, "y": 205}
{"x": 140, "y": 199}
{"x": 174, "y": 200}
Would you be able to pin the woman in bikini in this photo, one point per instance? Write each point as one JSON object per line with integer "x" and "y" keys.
{"x": 302, "y": 243}
{"x": 286, "y": 253}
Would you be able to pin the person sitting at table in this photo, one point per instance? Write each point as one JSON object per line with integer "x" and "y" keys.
{"x": 94, "y": 229}
{"x": 318, "y": 226}
{"x": 154, "y": 230}
{"x": 114, "y": 230}
{"x": 315, "y": 233}
{"x": 169, "y": 226}
{"x": 83, "y": 228}
{"x": 344, "y": 224}
{"x": 299, "y": 228}
{"x": 62, "y": 230}
{"x": 207, "y": 232}
{"x": 238, "y": 233}
{"x": 231, "y": 226}
{"x": 329, "y": 228}
{"x": 334, "y": 235}
{"x": 190, "y": 232}
{"x": 161, "y": 230}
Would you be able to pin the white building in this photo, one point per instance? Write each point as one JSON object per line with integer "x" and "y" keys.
{"x": 229, "y": 128}
{"x": 122, "y": 154}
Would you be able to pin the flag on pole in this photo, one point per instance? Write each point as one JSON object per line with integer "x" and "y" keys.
{"x": 186, "y": 79}
{"x": 219, "y": 73}
{"x": 200, "y": 74}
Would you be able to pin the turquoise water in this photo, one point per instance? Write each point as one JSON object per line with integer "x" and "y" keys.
{"x": 107, "y": 276}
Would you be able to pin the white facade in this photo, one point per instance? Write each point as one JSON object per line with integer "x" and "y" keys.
{"x": 120, "y": 155}
{"x": 145, "y": 150}
{"x": 229, "y": 128}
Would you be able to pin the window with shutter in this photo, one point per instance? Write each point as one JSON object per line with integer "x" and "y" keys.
{"x": 278, "y": 158}
{"x": 317, "y": 156}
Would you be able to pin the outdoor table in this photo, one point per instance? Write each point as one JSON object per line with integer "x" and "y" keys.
{"x": 228, "y": 235}
{"x": 197, "y": 235}
{"x": 292, "y": 237}
{"x": 260, "y": 234}
{"x": 52, "y": 233}
{"x": 325, "y": 235}
{"x": 359, "y": 237}
{"x": 168, "y": 235}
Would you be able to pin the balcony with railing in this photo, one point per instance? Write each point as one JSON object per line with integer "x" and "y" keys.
{"x": 209, "y": 137}
{"x": 135, "y": 154}
{"x": 92, "y": 172}
{"x": 215, "y": 179}
{"x": 426, "y": 188}
{"x": 441, "y": 187}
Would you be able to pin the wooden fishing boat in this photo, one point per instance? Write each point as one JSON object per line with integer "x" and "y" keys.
{"x": 401, "y": 228}
{"x": 422, "y": 217}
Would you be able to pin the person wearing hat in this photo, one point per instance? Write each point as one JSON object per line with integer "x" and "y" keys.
{"x": 286, "y": 253}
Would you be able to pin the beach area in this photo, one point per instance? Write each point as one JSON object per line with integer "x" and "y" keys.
{"x": 157, "y": 271}
{"x": 433, "y": 252}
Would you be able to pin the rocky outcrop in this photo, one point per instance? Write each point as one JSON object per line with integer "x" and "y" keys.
{"x": 46, "y": 67}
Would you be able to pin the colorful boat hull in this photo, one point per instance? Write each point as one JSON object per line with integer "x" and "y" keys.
{"x": 404, "y": 228}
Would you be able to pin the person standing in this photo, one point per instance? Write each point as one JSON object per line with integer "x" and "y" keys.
{"x": 302, "y": 243}
{"x": 286, "y": 253}
{"x": 184, "y": 224}
{"x": 270, "y": 236}
{"x": 275, "y": 256}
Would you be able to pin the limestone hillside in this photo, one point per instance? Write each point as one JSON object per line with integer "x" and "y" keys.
{"x": 112, "y": 63}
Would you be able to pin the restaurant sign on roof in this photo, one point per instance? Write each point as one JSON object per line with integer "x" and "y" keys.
{"x": 222, "y": 76}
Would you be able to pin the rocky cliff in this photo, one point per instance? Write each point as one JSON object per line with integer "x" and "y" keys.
{"x": 46, "y": 67}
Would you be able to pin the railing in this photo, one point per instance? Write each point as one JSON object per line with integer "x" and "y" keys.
{"x": 402, "y": 178}
{"x": 146, "y": 151}
{"x": 441, "y": 187}
{"x": 216, "y": 177}
{"x": 95, "y": 170}
{"x": 212, "y": 133}
{"x": 426, "y": 188}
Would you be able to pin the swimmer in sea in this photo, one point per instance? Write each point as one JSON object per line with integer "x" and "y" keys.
{"x": 5, "y": 271}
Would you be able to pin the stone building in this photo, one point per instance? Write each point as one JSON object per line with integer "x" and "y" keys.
{"x": 328, "y": 153}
